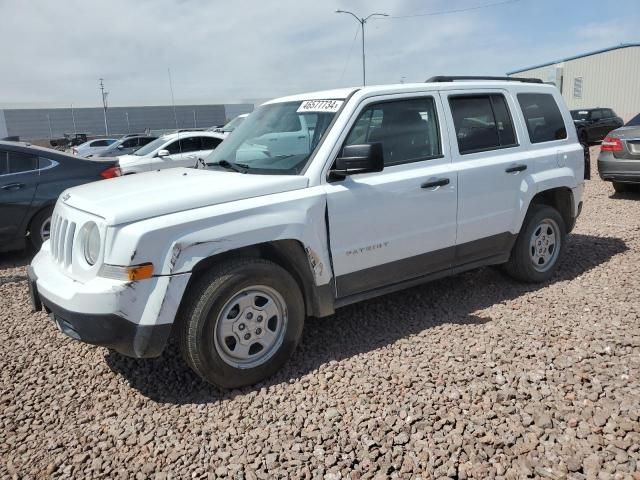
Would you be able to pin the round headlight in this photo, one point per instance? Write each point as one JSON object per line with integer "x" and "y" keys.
{"x": 91, "y": 243}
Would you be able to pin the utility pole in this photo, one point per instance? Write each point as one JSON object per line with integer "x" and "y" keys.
{"x": 73, "y": 118}
{"x": 195, "y": 122}
{"x": 104, "y": 105}
{"x": 362, "y": 21}
{"x": 50, "y": 131}
{"x": 126, "y": 114}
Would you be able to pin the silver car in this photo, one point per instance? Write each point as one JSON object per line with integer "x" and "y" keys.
{"x": 619, "y": 160}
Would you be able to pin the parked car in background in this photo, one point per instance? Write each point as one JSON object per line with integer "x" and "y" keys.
{"x": 31, "y": 179}
{"x": 93, "y": 147}
{"x": 231, "y": 125}
{"x": 180, "y": 149}
{"x": 593, "y": 124}
{"x": 124, "y": 146}
{"x": 619, "y": 159}
{"x": 398, "y": 185}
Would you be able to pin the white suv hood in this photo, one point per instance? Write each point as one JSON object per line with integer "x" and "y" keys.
{"x": 145, "y": 195}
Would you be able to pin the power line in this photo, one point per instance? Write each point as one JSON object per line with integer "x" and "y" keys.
{"x": 458, "y": 10}
{"x": 346, "y": 63}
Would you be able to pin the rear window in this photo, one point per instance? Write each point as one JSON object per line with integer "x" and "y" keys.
{"x": 542, "y": 116}
{"x": 634, "y": 122}
{"x": 482, "y": 123}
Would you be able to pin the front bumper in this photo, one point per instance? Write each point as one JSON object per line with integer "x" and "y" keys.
{"x": 619, "y": 170}
{"x": 133, "y": 318}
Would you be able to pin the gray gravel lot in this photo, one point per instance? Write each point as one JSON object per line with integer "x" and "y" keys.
{"x": 474, "y": 376}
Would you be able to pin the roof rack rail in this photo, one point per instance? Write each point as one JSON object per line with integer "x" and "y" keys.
{"x": 445, "y": 78}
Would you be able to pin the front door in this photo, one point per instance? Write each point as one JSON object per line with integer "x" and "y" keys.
{"x": 18, "y": 183}
{"x": 399, "y": 224}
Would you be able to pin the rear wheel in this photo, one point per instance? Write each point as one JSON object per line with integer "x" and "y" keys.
{"x": 535, "y": 255}
{"x": 619, "y": 187}
{"x": 241, "y": 322}
{"x": 40, "y": 228}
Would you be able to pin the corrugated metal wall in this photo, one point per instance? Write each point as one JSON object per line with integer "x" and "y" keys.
{"x": 609, "y": 79}
{"x": 42, "y": 123}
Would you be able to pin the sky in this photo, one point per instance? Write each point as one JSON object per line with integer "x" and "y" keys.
{"x": 54, "y": 52}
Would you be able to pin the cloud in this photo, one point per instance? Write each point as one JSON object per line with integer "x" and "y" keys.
{"x": 242, "y": 50}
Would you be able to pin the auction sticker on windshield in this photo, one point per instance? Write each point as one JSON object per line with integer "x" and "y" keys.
{"x": 320, "y": 106}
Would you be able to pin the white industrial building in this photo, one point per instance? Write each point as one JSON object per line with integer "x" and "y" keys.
{"x": 604, "y": 78}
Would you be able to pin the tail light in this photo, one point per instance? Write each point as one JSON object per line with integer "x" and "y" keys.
{"x": 111, "y": 172}
{"x": 611, "y": 144}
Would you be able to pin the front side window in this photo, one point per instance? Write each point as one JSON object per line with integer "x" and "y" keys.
{"x": 276, "y": 138}
{"x": 482, "y": 122}
{"x": 407, "y": 129}
{"x": 542, "y": 116}
{"x": 184, "y": 145}
{"x": 151, "y": 147}
{"x": 130, "y": 143}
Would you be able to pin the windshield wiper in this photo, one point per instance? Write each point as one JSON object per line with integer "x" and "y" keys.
{"x": 236, "y": 167}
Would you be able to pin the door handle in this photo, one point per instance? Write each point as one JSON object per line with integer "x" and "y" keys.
{"x": 440, "y": 182}
{"x": 301, "y": 137}
{"x": 516, "y": 168}
{"x": 13, "y": 186}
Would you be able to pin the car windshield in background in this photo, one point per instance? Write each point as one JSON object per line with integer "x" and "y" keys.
{"x": 634, "y": 122}
{"x": 233, "y": 124}
{"x": 278, "y": 138}
{"x": 150, "y": 147}
{"x": 580, "y": 114}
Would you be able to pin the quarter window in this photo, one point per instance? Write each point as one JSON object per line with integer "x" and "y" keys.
{"x": 407, "y": 130}
{"x": 542, "y": 116}
{"x": 482, "y": 122}
{"x": 4, "y": 163}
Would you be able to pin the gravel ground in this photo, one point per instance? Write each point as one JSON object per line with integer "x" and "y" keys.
{"x": 473, "y": 376}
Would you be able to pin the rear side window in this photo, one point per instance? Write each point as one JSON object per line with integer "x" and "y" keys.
{"x": 99, "y": 143}
{"x": 210, "y": 143}
{"x": 542, "y": 116}
{"x": 635, "y": 121}
{"x": 21, "y": 162}
{"x": 482, "y": 123}
{"x": 130, "y": 143}
{"x": 4, "y": 164}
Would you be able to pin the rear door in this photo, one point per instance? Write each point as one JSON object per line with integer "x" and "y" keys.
{"x": 18, "y": 184}
{"x": 492, "y": 170}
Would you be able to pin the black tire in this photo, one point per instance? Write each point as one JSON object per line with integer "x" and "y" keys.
{"x": 203, "y": 304}
{"x": 520, "y": 265}
{"x": 35, "y": 227}
{"x": 584, "y": 138}
{"x": 619, "y": 187}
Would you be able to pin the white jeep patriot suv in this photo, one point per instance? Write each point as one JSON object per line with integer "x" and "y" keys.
{"x": 388, "y": 187}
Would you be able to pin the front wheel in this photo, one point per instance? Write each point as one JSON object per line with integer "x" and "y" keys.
{"x": 619, "y": 187}
{"x": 40, "y": 228}
{"x": 535, "y": 255}
{"x": 241, "y": 322}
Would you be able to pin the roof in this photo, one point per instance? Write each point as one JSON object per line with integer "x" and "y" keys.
{"x": 575, "y": 57}
{"x": 372, "y": 90}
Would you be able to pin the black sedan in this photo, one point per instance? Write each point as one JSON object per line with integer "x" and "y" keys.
{"x": 593, "y": 124}
{"x": 31, "y": 179}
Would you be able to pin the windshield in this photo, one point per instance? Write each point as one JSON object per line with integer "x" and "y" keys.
{"x": 580, "y": 114}
{"x": 278, "y": 138}
{"x": 634, "y": 122}
{"x": 150, "y": 147}
{"x": 233, "y": 124}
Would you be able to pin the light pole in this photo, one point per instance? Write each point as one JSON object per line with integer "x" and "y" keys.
{"x": 362, "y": 21}
{"x": 126, "y": 114}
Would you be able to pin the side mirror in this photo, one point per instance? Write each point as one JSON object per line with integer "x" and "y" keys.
{"x": 163, "y": 153}
{"x": 120, "y": 147}
{"x": 356, "y": 159}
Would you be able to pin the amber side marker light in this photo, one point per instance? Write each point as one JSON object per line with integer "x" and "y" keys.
{"x": 140, "y": 272}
